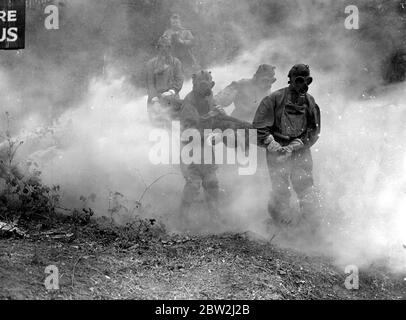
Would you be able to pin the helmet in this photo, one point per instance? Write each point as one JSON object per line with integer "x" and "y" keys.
{"x": 299, "y": 69}
{"x": 265, "y": 69}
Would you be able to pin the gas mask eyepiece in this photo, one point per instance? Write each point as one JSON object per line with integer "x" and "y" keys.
{"x": 299, "y": 78}
{"x": 302, "y": 80}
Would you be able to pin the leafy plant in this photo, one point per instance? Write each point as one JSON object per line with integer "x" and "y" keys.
{"x": 23, "y": 196}
{"x": 12, "y": 144}
{"x": 139, "y": 230}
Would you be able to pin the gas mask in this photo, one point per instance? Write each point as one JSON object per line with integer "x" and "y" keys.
{"x": 265, "y": 83}
{"x": 203, "y": 84}
{"x": 301, "y": 84}
{"x": 299, "y": 78}
{"x": 264, "y": 77}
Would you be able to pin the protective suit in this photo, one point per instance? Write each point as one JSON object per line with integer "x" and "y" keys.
{"x": 288, "y": 125}
{"x": 164, "y": 81}
{"x": 196, "y": 105}
{"x": 246, "y": 94}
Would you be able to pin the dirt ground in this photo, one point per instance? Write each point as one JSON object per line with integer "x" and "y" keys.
{"x": 97, "y": 262}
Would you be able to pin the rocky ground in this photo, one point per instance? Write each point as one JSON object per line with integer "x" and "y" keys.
{"x": 97, "y": 260}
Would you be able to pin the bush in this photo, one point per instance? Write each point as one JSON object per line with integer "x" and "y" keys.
{"x": 22, "y": 195}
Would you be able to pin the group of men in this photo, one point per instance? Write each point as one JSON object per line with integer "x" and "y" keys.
{"x": 287, "y": 123}
{"x": 165, "y": 73}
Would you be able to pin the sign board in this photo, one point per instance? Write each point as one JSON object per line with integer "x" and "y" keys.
{"x": 12, "y": 24}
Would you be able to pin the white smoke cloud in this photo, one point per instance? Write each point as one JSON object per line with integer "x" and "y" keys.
{"x": 101, "y": 146}
{"x": 358, "y": 162}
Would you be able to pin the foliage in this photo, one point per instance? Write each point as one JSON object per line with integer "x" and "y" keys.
{"x": 132, "y": 233}
{"x": 22, "y": 195}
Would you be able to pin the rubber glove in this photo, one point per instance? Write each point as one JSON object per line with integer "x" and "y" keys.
{"x": 168, "y": 93}
{"x": 273, "y": 146}
{"x": 295, "y": 145}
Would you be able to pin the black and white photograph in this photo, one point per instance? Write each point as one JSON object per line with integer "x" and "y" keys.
{"x": 207, "y": 157}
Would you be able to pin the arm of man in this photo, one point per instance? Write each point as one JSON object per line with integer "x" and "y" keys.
{"x": 152, "y": 93}
{"x": 177, "y": 76}
{"x": 226, "y": 96}
{"x": 168, "y": 34}
{"x": 264, "y": 120}
{"x": 188, "y": 39}
{"x": 314, "y": 128}
{"x": 189, "y": 117}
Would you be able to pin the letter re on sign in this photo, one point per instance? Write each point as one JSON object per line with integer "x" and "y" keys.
{"x": 12, "y": 24}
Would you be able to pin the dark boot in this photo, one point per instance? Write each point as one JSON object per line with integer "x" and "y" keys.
{"x": 213, "y": 210}
{"x": 211, "y": 192}
{"x": 280, "y": 213}
{"x": 309, "y": 221}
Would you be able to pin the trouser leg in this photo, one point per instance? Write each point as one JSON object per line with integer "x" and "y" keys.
{"x": 278, "y": 205}
{"x": 302, "y": 183}
{"x": 211, "y": 188}
{"x": 190, "y": 190}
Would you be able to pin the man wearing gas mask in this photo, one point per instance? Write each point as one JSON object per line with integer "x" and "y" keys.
{"x": 247, "y": 93}
{"x": 288, "y": 125}
{"x": 197, "y": 105}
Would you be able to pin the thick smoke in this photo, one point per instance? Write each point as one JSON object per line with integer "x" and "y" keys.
{"x": 84, "y": 84}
